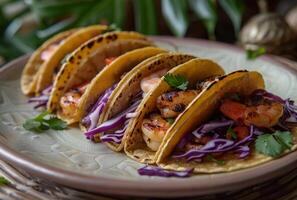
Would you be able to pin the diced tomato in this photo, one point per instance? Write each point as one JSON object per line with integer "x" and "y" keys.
{"x": 109, "y": 60}
{"x": 241, "y": 132}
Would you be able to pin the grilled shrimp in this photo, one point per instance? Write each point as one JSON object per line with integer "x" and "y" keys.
{"x": 149, "y": 82}
{"x": 70, "y": 100}
{"x": 264, "y": 115}
{"x": 171, "y": 104}
{"x": 48, "y": 52}
{"x": 109, "y": 60}
{"x": 154, "y": 129}
{"x": 200, "y": 85}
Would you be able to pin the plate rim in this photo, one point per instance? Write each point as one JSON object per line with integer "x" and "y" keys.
{"x": 155, "y": 187}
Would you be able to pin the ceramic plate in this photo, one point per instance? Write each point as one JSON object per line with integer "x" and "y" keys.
{"x": 66, "y": 157}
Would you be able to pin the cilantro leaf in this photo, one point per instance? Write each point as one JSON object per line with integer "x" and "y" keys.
{"x": 274, "y": 144}
{"x": 231, "y": 133}
{"x": 43, "y": 122}
{"x": 57, "y": 124}
{"x": 213, "y": 159}
{"x": 170, "y": 120}
{"x": 3, "y": 181}
{"x": 253, "y": 54}
{"x": 285, "y": 138}
{"x": 112, "y": 27}
{"x": 32, "y": 125}
{"x": 176, "y": 81}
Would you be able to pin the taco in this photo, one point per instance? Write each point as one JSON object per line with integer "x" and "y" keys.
{"x": 83, "y": 65}
{"x": 45, "y": 62}
{"x": 95, "y": 101}
{"x": 233, "y": 124}
{"x": 164, "y": 106}
{"x": 135, "y": 90}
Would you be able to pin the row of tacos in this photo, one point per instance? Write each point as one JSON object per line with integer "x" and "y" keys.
{"x": 159, "y": 107}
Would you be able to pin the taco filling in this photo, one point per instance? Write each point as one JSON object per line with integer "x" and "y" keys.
{"x": 48, "y": 52}
{"x": 168, "y": 107}
{"x": 117, "y": 126}
{"x": 70, "y": 100}
{"x": 260, "y": 121}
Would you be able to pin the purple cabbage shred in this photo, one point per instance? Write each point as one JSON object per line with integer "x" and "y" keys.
{"x": 157, "y": 171}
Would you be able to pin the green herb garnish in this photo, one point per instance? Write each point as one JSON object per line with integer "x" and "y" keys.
{"x": 3, "y": 181}
{"x": 43, "y": 122}
{"x": 213, "y": 159}
{"x": 112, "y": 27}
{"x": 176, "y": 81}
{"x": 235, "y": 96}
{"x": 232, "y": 133}
{"x": 274, "y": 144}
{"x": 170, "y": 120}
{"x": 253, "y": 54}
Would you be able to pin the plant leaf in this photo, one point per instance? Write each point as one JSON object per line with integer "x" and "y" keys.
{"x": 56, "y": 124}
{"x": 274, "y": 144}
{"x": 99, "y": 12}
{"x": 206, "y": 11}
{"x": 232, "y": 133}
{"x": 3, "y": 181}
{"x": 119, "y": 13}
{"x": 176, "y": 81}
{"x": 234, "y": 9}
{"x": 43, "y": 122}
{"x": 55, "y": 28}
{"x": 16, "y": 41}
{"x": 213, "y": 159}
{"x": 145, "y": 16}
{"x": 253, "y": 54}
{"x": 175, "y": 14}
{"x": 285, "y": 138}
{"x": 55, "y": 9}
{"x": 170, "y": 120}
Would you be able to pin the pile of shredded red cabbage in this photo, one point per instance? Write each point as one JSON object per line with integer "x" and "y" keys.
{"x": 91, "y": 119}
{"x": 41, "y": 100}
{"x": 217, "y": 129}
{"x": 118, "y": 124}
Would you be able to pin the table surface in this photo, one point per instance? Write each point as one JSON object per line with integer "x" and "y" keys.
{"x": 24, "y": 186}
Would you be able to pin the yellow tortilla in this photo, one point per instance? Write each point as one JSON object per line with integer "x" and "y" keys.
{"x": 112, "y": 74}
{"x": 193, "y": 70}
{"x": 31, "y": 70}
{"x": 88, "y": 60}
{"x": 129, "y": 87}
{"x": 230, "y": 162}
{"x": 201, "y": 109}
{"x": 45, "y": 78}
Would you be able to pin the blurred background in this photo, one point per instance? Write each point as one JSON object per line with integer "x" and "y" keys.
{"x": 25, "y": 24}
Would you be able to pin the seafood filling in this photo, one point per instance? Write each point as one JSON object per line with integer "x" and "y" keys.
{"x": 239, "y": 121}
{"x": 169, "y": 106}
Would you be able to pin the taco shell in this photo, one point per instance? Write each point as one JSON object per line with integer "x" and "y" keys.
{"x": 201, "y": 110}
{"x": 113, "y": 74}
{"x": 129, "y": 87}
{"x": 48, "y": 68}
{"x": 193, "y": 70}
{"x": 88, "y": 60}
{"x": 31, "y": 70}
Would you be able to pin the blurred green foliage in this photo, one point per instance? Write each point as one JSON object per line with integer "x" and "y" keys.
{"x": 53, "y": 16}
